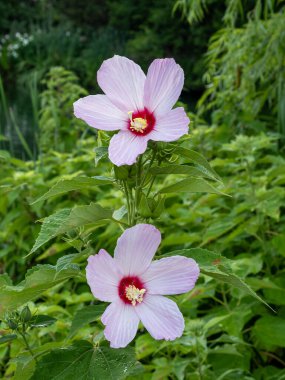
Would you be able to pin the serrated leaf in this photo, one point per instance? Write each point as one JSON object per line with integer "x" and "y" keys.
{"x": 87, "y": 214}
{"x": 42, "y": 321}
{"x": 50, "y": 227}
{"x": 83, "y": 361}
{"x": 84, "y": 316}
{"x": 7, "y": 338}
{"x": 38, "y": 279}
{"x": 68, "y": 219}
{"x": 191, "y": 185}
{"x": 198, "y": 160}
{"x": 191, "y": 171}
{"x": 216, "y": 266}
{"x": 66, "y": 260}
{"x": 80, "y": 183}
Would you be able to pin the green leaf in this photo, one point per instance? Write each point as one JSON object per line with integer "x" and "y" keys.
{"x": 7, "y": 338}
{"x": 84, "y": 316}
{"x": 198, "y": 160}
{"x": 87, "y": 214}
{"x": 120, "y": 213}
{"x": 191, "y": 171}
{"x": 38, "y": 280}
{"x": 269, "y": 331}
{"x": 68, "y": 219}
{"x": 191, "y": 185}
{"x": 50, "y": 227}
{"x": 100, "y": 152}
{"x": 83, "y": 361}
{"x": 25, "y": 368}
{"x": 276, "y": 295}
{"x": 5, "y": 279}
{"x": 216, "y": 266}
{"x": 80, "y": 183}
{"x": 42, "y": 321}
{"x": 65, "y": 261}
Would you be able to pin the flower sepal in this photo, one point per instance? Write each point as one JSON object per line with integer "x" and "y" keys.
{"x": 151, "y": 208}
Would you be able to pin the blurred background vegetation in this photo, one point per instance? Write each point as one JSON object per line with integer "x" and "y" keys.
{"x": 233, "y": 56}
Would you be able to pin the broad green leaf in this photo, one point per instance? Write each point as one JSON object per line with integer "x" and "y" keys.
{"x": 50, "y": 227}
{"x": 84, "y": 316}
{"x": 198, "y": 160}
{"x": 7, "y": 338}
{"x": 25, "y": 368}
{"x": 42, "y": 321}
{"x": 269, "y": 331}
{"x": 38, "y": 280}
{"x": 216, "y": 266}
{"x": 191, "y": 185}
{"x": 83, "y": 361}
{"x": 66, "y": 260}
{"x": 80, "y": 183}
{"x": 68, "y": 219}
{"x": 87, "y": 214}
{"x": 277, "y": 294}
{"x": 191, "y": 171}
{"x": 221, "y": 227}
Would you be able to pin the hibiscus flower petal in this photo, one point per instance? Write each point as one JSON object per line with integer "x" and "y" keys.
{"x": 103, "y": 276}
{"x": 122, "y": 80}
{"x": 161, "y": 317}
{"x": 125, "y": 147}
{"x": 171, "y": 275}
{"x": 163, "y": 85}
{"x": 100, "y": 113}
{"x": 121, "y": 323}
{"x": 136, "y": 248}
{"x": 171, "y": 126}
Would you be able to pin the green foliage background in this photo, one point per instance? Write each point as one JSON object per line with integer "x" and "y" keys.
{"x": 233, "y": 55}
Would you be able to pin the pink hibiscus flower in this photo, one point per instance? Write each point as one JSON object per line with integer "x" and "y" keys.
{"x": 135, "y": 286}
{"x": 139, "y": 106}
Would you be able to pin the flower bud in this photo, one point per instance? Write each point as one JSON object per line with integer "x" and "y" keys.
{"x": 26, "y": 314}
{"x": 12, "y": 324}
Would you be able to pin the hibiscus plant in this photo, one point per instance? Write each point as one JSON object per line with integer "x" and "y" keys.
{"x": 147, "y": 156}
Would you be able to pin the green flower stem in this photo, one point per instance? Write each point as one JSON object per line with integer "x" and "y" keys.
{"x": 154, "y": 152}
{"x": 152, "y": 181}
{"x": 23, "y": 335}
{"x": 126, "y": 191}
{"x": 137, "y": 189}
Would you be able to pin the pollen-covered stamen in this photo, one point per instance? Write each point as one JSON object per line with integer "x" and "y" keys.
{"x": 137, "y": 124}
{"x": 134, "y": 294}
{"x": 141, "y": 122}
{"x": 131, "y": 290}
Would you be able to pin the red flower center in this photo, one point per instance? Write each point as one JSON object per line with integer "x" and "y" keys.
{"x": 141, "y": 122}
{"x": 131, "y": 290}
